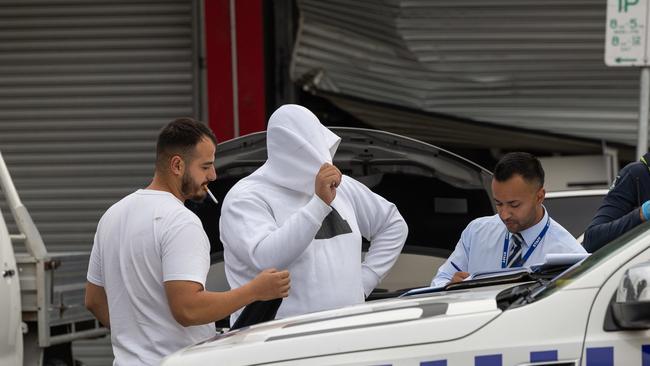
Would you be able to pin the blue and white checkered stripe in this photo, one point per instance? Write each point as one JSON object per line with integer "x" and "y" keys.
{"x": 497, "y": 359}
{"x": 604, "y": 356}
{"x": 596, "y": 356}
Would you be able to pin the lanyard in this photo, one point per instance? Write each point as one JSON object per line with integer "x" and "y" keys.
{"x": 506, "y": 244}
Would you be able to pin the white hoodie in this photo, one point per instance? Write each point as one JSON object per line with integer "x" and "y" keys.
{"x": 273, "y": 219}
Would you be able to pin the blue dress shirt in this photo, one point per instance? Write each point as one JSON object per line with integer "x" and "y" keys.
{"x": 480, "y": 247}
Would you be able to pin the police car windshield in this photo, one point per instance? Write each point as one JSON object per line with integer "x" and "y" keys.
{"x": 588, "y": 264}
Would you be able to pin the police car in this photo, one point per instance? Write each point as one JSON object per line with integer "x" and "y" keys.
{"x": 596, "y": 313}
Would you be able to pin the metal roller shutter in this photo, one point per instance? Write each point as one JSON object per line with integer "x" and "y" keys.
{"x": 527, "y": 63}
{"x": 85, "y": 85}
{"x": 84, "y": 88}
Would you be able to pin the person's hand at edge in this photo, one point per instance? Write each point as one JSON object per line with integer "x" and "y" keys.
{"x": 459, "y": 277}
{"x": 271, "y": 284}
{"x": 327, "y": 179}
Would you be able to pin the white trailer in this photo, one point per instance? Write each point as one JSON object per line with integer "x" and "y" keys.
{"x": 41, "y": 294}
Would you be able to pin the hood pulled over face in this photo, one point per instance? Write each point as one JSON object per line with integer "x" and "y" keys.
{"x": 297, "y": 145}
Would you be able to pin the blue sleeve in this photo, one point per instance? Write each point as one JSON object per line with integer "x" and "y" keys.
{"x": 618, "y": 213}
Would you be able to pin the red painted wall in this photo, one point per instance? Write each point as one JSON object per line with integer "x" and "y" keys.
{"x": 250, "y": 67}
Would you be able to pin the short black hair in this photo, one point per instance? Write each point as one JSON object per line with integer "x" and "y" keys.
{"x": 180, "y": 137}
{"x": 521, "y": 163}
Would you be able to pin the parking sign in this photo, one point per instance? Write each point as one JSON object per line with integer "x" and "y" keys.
{"x": 627, "y": 33}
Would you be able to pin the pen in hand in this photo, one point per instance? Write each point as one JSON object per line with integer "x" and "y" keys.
{"x": 455, "y": 266}
{"x": 460, "y": 275}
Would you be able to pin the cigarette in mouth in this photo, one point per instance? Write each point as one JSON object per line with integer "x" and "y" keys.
{"x": 214, "y": 199}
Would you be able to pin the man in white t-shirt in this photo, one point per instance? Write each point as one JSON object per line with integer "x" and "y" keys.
{"x": 150, "y": 258}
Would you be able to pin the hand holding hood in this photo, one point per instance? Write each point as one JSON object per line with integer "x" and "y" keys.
{"x": 298, "y": 145}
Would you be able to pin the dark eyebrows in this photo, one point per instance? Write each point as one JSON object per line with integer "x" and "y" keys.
{"x": 508, "y": 202}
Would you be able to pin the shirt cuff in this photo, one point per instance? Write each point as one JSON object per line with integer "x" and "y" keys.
{"x": 440, "y": 282}
{"x": 184, "y": 277}
{"x": 317, "y": 210}
{"x": 369, "y": 279}
{"x": 95, "y": 281}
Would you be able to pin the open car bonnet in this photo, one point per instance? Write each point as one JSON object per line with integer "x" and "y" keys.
{"x": 362, "y": 152}
{"x": 437, "y": 192}
{"x": 404, "y": 321}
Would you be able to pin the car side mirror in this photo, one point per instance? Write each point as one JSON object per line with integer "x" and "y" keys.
{"x": 631, "y": 309}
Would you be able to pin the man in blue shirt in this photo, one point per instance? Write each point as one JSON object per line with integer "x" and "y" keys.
{"x": 625, "y": 207}
{"x": 520, "y": 234}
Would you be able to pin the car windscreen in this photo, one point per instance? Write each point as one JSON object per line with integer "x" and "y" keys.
{"x": 593, "y": 261}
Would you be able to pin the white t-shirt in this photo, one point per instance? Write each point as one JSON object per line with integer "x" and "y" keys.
{"x": 143, "y": 240}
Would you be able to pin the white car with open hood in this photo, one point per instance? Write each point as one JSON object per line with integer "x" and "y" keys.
{"x": 595, "y": 313}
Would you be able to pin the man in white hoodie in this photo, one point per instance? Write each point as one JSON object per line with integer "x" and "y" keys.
{"x": 298, "y": 212}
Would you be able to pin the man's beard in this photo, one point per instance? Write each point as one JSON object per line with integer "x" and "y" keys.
{"x": 191, "y": 190}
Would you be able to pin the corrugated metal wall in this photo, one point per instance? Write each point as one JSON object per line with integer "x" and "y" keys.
{"x": 84, "y": 88}
{"x": 85, "y": 85}
{"x": 529, "y": 63}
{"x": 455, "y": 133}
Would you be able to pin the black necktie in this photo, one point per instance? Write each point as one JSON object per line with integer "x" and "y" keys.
{"x": 515, "y": 250}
